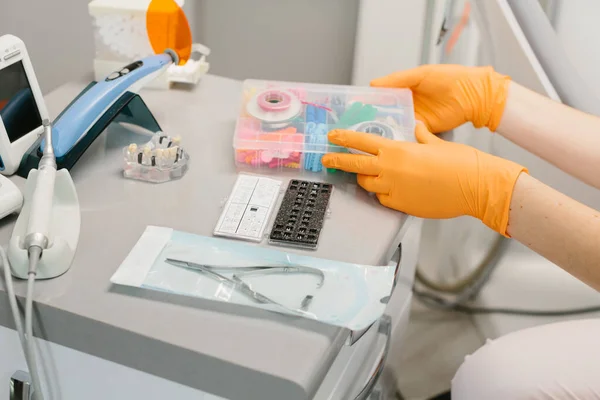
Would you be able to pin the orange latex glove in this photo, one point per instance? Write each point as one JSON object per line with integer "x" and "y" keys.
{"x": 446, "y": 96}
{"x": 430, "y": 179}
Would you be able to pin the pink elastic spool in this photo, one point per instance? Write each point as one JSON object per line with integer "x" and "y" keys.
{"x": 274, "y": 100}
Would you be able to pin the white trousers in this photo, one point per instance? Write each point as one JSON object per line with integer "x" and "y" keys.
{"x": 555, "y": 361}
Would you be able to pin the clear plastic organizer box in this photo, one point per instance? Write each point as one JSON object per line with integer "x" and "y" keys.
{"x": 284, "y": 125}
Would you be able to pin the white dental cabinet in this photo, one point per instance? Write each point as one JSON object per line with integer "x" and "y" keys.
{"x": 102, "y": 341}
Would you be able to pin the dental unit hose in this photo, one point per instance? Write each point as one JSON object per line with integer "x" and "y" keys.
{"x": 35, "y": 242}
{"x": 41, "y": 202}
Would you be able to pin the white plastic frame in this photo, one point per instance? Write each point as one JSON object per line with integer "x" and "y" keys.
{"x": 12, "y": 153}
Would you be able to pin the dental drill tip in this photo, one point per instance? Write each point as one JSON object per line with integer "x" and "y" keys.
{"x": 48, "y": 159}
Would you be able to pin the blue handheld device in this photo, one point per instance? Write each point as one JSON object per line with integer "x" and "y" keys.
{"x": 82, "y": 114}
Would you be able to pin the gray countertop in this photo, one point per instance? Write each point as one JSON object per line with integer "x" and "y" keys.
{"x": 233, "y": 352}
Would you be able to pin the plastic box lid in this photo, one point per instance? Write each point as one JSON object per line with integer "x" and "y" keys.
{"x": 286, "y": 117}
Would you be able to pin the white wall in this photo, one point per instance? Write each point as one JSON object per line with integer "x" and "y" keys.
{"x": 58, "y": 36}
{"x": 578, "y": 29}
{"x": 309, "y": 40}
{"x": 390, "y": 34}
{"x": 389, "y": 37}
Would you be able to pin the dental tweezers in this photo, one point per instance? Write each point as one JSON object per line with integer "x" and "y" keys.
{"x": 243, "y": 287}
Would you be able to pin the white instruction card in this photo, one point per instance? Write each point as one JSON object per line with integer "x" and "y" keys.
{"x": 248, "y": 208}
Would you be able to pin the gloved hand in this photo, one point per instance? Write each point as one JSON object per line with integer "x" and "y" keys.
{"x": 447, "y": 96}
{"x": 429, "y": 179}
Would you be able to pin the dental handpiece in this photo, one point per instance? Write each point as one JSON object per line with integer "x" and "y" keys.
{"x": 41, "y": 202}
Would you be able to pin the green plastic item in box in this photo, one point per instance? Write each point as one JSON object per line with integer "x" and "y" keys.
{"x": 357, "y": 113}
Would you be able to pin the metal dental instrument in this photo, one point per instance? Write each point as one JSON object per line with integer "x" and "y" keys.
{"x": 240, "y": 285}
{"x": 267, "y": 270}
{"x": 306, "y": 302}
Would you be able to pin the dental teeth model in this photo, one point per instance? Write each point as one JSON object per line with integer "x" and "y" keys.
{"x": 162, "y": 159}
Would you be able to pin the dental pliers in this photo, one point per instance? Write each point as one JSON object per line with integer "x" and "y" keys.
{"x": 238, "y": 284}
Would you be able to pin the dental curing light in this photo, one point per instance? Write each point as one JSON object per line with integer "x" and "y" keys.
{"x": 86, "y": 117}
{"x": 77, "y": 120}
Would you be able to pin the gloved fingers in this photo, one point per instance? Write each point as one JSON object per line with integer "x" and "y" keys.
{"x": 423, "y": 119}
{"x": 372, "y": 184}
{"x": 420, "y": 118}
{"x": 423, "y": 135}
{"x": 366, "y": 142}
{"x": 401, "y": 79}
{"x": 385, "y": 200}
{"x": 355, "y": 163}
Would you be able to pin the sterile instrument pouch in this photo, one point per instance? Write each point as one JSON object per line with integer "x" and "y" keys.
{"x": 337, "y": 293}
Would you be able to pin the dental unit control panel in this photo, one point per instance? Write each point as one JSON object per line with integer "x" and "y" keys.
{"x": 22, "y": 107}
{"x": 22, "y": 110}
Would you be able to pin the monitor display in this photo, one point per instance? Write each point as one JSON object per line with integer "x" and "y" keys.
{"x": 18, "y": 108}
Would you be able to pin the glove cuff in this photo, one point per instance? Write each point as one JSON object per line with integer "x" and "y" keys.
{"x": 491, "y": 92}
{"x": 496, "y": 194}
{"x": 499, "y": 97}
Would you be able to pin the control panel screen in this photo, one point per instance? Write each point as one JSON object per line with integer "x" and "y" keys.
{"x": 18, "y": 109}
